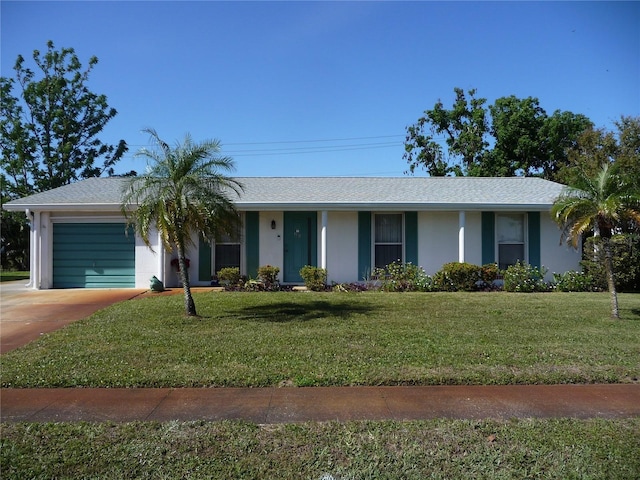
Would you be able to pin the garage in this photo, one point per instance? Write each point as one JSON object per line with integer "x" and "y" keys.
{"x": 93, "y": 255}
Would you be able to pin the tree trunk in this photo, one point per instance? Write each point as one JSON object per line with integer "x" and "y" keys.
{"x": 608, "y": 266}
{"x": 189, "y": 304}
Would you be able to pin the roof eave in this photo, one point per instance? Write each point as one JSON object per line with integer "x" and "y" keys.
{"x": 62, "y": 207}
{"x": 389, "y": 206}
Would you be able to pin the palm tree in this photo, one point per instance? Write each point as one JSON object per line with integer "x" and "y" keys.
{"x": 598, "y": 203}
{"x": 183, "y": 191}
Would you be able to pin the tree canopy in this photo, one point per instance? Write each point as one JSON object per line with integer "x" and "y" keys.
{"x": 49, "y": 129}
{"x": 511, "y": 137}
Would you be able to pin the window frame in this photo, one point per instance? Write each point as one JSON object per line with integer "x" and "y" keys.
{"x": 374, "y": 243}
{"x": 525, "y": 235}
{"x": 240, "y": 243}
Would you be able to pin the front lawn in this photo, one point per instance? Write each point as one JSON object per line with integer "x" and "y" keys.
{"x": 13, "y": 275}
{"x": 308, "y": 339}
{"x": 436, "y": 449}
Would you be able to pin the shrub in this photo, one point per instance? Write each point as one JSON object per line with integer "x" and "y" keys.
{"x": 457, "y": 276}
{"x": 267, "y": 279}
{"x": 625, "y": 250}
{"x": 230, "y": 275}
{"x": 315, "y": 278}
{"x": 523, "y": 277}
{"x": 403, "y": 277}
{"x": 489, "y": 273}
{"x": 573, "y": 281}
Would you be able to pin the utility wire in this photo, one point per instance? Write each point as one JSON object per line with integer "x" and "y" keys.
{"x": 225, "y": 144}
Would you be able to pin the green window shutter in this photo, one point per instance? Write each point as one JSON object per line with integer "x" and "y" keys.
{"x": 534, "y": 239}
{"x": 411, "y": 237}
{"x": 364, "y": 244}
{"x": 488, "y": 238}
{"x": 252, "y": 242}
{"x": 204, "y": 260}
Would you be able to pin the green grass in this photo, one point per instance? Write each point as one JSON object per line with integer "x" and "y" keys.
{"x": 11, "y": 275}
{"x": 437, "y": 449}
{"x": 312, "y": 339}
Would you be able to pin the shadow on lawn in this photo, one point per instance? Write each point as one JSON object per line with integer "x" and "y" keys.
{"x": 283, "y": 312}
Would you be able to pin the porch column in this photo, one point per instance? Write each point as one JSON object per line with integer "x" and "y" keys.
{"x": 161, "y": 259}
{"x": 323, "y": 241}
{"x": 35, "y": 244}
{"x": 32, "y": 260}
{"x": 461, "y": 224}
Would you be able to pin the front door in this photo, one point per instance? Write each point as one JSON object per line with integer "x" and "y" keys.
{"x": 300, "y": 243}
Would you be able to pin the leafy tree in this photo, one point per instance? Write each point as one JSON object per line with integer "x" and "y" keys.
{"x": 625, "y": 254}
{"x": 515, "y": 126}
{"x": 628, "y": 152}
{"x": 511, "y": 137}
{"x": 183, "y": 192}
{"x": 593, "y": 148}
{"x": 48, "y": 133}
{"x": 464, "y": 127}
{"x": 14, "y": 233}
{"x": 598, "y": 203}
{"x": 559, "y": 133}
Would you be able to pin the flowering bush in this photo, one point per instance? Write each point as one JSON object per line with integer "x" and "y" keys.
{"x": 523, "y": 277}
{"x": 403, "y": 277}
{"x": 573, "y": 281}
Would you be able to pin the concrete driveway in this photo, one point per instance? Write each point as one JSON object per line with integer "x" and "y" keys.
{"x": 25, "y": 314}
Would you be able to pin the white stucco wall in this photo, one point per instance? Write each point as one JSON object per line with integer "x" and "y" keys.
{"x": 473, "y": 238}
{"x": 342, "y": 247}
{"x": 558, "y": 258}
{"x": 271, "y": 241}
{"x": 437, "y": 244}
{"x": 148, "y": 261}
{"x": 438, "y": 239}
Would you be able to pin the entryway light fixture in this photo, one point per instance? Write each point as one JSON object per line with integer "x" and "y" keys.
{"x": 273, "y": 224}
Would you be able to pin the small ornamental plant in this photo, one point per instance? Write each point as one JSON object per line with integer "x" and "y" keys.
{"x": 315, "y": 278}
{"x": 268, "y": 277}
{"x": 229, "y": 275}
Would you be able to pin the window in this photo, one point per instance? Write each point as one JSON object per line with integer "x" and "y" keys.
{"x": 511, "y": 235}
{"x": 227, "y": 252}
{"x": 388, "y": 239}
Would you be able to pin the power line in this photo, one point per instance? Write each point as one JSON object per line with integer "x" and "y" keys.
{"x": 318, "y": 141}
{"x": 300, "y": 150}
{"x": 278, "y": 142}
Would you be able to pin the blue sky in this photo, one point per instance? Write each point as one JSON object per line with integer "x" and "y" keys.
{"x": 328, "y": 88}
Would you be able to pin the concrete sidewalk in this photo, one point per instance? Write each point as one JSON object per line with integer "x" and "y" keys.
{"x": 288, "y": 405}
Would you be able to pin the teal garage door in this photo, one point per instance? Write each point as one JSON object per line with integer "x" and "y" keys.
{"x": 93, "y": 255}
